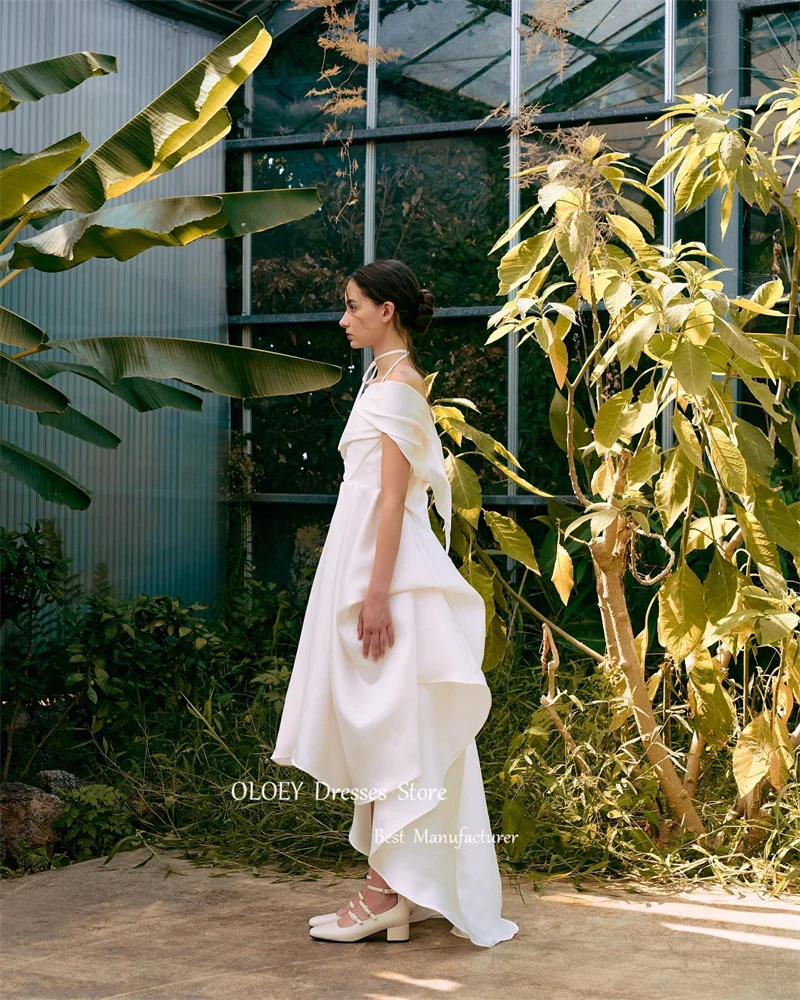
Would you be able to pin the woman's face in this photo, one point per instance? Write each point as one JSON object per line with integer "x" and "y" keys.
{"x": 365, "y": 322}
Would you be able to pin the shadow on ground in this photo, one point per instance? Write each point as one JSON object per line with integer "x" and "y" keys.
{"x": 95, "y": 932}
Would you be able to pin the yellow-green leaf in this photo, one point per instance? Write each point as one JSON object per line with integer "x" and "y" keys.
{"x": 754, "y": 445}
{"x": 33, "y": 81}
{"x": 762, "y": 751}
{"x": 496, "y": 644}
{"x": 780, "y": 524}
{"x": 24, "y": 175}
{"x": 519, "y": 263}
{"x": 465, "y": 489}
{"x": 721, "y": 587}
{"x": 646, "y": 464}
{"x": 715, "y": 716}
{"x": 557, "y": 353}
{"x": 729, "y": 461}
{"x": 482, "y": 581}
{"x": 687, "y": 439}
{"x": 512, "y": 539}
{"x": 692, "y": 368}
{"x": 165, "y": 131}
{"x": 563, "y": 577}
{"x": 673, "y": 487}
{"x": 681, "y": 617}
{"x": 611, "y": 419}
{"x": 663, "y": 166}
{"x": 581, "y": 234}
{"x": 762, "y": 549}
{"x": 790, "y": 665}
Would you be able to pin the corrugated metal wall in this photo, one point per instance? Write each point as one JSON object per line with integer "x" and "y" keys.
{"x": 156, "y": 520}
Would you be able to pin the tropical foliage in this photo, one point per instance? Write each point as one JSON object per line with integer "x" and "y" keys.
{"x": 679, "y": 424}
{"x": 188, "y": 118}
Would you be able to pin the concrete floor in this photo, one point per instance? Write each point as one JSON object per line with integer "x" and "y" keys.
{"x": 89, "y": 932}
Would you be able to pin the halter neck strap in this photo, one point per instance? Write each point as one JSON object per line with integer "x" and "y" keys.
{"x": 366, "y": 380}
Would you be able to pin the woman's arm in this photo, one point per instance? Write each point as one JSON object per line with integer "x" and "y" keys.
{"x": 375, "y": 620}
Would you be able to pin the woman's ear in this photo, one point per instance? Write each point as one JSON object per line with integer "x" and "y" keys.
{"x": 388, "y": 312}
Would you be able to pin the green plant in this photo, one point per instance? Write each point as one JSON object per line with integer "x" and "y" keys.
{"x": 188, "y": 118}
{"x": 713, "y": 520}
{"x": 37, "y": 588}
{"x": 94, "y": 819}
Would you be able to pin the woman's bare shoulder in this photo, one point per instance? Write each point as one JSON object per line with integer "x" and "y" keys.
{"x": 412, "y": 378}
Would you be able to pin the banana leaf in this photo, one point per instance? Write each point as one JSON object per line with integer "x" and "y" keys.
{"x": 124, "y": 231}
{"x": 20, "y": 387}
{"x": 142, "y": 394}
{"x": 46, "y": 478}
{"x": 165, "y": 133}
{"x": 18, "y": 331}
{"x": 23, "y": 175}
{"x": 240, "y": 372}
{"x": 72, "y": 421}
{"x": 36, "y": 80}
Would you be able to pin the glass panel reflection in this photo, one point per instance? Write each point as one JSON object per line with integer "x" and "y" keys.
{"x": 292, "y": 68}
{"x": 287, "y": 543}
{"x": 303, "y": 266}
{"x": 455, "y": 60}
{"x": 469, "y": 369}
{"x": 441, "y": 204}
{"x": 295, "y": 437}
{"x": 599, "y": 54}
{"x": 690, "y": 48}
{"x": 767, "y": 242}
{"x": 772, "y": 41}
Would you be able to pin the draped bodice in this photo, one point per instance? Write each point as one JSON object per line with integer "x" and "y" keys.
{"x": 397, "y": 409}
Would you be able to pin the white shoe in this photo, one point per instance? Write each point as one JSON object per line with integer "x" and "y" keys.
{"x": 415, "y": 912}
{"x": 394, "y": 921}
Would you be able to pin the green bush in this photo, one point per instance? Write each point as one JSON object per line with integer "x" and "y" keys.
{"x": 95, "y": 818}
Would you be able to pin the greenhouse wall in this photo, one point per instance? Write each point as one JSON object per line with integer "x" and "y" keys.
{"x": 156, "y": 521}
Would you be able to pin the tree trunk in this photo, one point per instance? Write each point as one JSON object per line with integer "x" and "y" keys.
{"x": 609, "y": 556}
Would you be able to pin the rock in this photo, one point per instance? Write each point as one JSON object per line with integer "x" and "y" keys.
{"x": 26, "y": 815}
{"x": 57, "y": 781}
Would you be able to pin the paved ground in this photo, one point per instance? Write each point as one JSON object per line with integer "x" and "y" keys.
{"x": 89, "y": 932}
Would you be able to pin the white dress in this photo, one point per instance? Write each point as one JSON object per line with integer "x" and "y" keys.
{"x": 401, "y": 729}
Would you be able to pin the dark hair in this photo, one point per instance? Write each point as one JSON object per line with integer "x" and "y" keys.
{"x": 392, "y": 280}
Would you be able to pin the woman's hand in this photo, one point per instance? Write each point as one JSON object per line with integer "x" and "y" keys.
{"x": 375, "y": 626}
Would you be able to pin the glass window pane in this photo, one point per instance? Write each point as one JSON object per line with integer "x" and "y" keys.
{"x": 441, "y": 203}
{"x": 469, "y": 369}
{"x": 455, "y": 61}
{"x": 767, "y": 240}
{"x": 691, "y": 72}
{"x": 292, "y": 68}
{"x": 233, "y": 248}
{"x": 772, "y": 41}
{"x": 287, "y": 540}
{"x": 303, "y": 266}
{"x": 602, "y": 54}
{"x": 295, "y": 437}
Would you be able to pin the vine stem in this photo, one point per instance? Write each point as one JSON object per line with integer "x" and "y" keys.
{"x": 588, "y": 651}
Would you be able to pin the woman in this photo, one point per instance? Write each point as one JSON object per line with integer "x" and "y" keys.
{"x": 387, "y": 693}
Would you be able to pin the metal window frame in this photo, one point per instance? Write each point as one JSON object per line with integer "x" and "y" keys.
{"x": 372, "y": 135}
